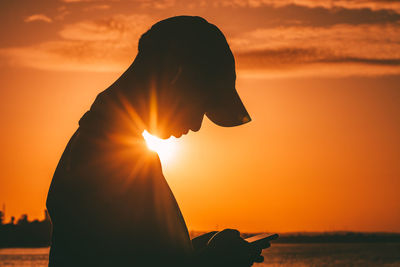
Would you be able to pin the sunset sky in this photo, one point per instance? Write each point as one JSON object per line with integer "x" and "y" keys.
{"x": 321, "y": 80}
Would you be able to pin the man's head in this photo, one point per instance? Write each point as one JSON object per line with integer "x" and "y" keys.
{"x": 191, "y": 70}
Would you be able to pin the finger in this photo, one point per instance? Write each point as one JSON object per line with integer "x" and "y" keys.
{"x": 265, "y": 245}
{"x": 232, "y": 232}
{"x": 259, "y": 259}
{"x": 247, "y": 261}
{"x": 254, "y": 250}
{"x": 259, "y": 247}
{"x": 255, "y": 254}
{"x": 258, "y": 252}
{"x": 275, "y": 236}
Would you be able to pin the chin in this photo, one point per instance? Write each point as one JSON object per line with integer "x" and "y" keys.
{"x": 160, "y": 134}
{"x": 177, "y": 135}
{"x": 166, "y": 135}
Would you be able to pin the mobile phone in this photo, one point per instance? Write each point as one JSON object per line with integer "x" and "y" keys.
{"x": 261, "y": 240}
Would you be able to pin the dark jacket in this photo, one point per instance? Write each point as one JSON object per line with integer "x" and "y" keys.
{"x": 109, "y": 202}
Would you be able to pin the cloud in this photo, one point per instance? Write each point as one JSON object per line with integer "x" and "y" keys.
{"x": 98, "y": 7}
{"x": 69, "y": 56}
{"x": 293, "y": 57}
{"x": 372, "y": 61}
{"x": 76, "y": 1}
{"x": 119, "y": 28}
{"x": 349, "y": 4}
{"x": 312, "y": 62}
{"x": 38, "y": 17}
{"x": 278, "y": 58}
{"x": 329, "y": 4}
{"x": 336, "y": 50}
{"x": 362, "y": 41}
{"x": 104, "y": 45}
{"x": 160, "y": 4}
{"x": 157, "y": 4}
{"x": 321, "y": 70}
{"x": 298, "y": 15}
{"x": 109, "y": 44}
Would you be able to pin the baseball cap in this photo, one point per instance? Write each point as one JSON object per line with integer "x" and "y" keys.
{"x": 203, "y": 46}
{"x": 229, "y": 111}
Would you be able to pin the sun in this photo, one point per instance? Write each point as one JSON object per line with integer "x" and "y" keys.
{"x": 165, "y": 148}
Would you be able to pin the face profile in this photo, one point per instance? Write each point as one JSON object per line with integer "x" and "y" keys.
{"x": 191, "y": 70}
{"x": 181, "y": 107}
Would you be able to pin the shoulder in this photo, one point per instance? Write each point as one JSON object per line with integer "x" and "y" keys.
{"x": 113, "y": 152}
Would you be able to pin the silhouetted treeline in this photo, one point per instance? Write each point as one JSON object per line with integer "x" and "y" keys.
{"x": 337, "y": 237}
{"x": 328, "y": 237}
{"x": 25, "y": 233}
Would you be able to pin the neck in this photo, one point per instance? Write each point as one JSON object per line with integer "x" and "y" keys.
{"x": 126, "y": 101}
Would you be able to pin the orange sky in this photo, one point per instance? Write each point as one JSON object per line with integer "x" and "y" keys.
{"x": 321, "y": 82}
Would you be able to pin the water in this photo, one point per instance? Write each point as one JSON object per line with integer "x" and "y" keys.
{"x": 332, "y": 254}
{"x": 24, "y": 257}
{"x": 292, "y": 255}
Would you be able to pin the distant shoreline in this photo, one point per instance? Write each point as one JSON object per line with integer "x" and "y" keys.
{"x": 37, "y": 234}
{"x": 285, "y": 238}
{"x": 332, "y": 237}
{"x": 285, "y": 242}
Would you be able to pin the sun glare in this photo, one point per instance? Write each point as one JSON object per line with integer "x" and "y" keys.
{"x": 165, "y": 148}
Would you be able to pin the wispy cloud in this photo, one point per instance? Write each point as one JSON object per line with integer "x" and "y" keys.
{"x": 350, "y": 4}
{"x": 285, "y": 37}
{"x": 38, "y": 17}
{"x": 69, "y": 56}
{"x": 160, "y": 4}
{"x": 289, "y": 48}
{"x": 76, "y": 1}
{"x": 312, "y": 62}
{"x": 110, "y": 45}
{"x": 119, "y": 28}
{"x": 98, "y": 7}
{"x": 157, "y": 4}
{"x": 105, "y": 45}
{"x": 298, "y": 15}
{"x": 380, "y": 41}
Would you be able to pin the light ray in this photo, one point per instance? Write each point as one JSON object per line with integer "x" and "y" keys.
{"x": 165, "y": 148}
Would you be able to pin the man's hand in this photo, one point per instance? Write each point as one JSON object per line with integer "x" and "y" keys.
{"x": 227, "y": 248}
{"x": 200, "y": 242}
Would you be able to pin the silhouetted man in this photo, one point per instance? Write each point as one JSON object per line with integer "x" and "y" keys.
{"x": 109, "y": 202}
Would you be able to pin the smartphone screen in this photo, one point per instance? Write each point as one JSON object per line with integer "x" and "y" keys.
{"x": 262, "y": 239}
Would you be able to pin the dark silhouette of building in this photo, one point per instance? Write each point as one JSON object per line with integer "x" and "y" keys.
{"x": 2, "y": 215}
{"x": 25, "y": 233}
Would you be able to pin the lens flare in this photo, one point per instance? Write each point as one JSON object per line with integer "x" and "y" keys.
{"x": 165, "y": 148}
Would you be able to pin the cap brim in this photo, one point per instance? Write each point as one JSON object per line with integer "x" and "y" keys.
{"x": 229, "y": 111}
